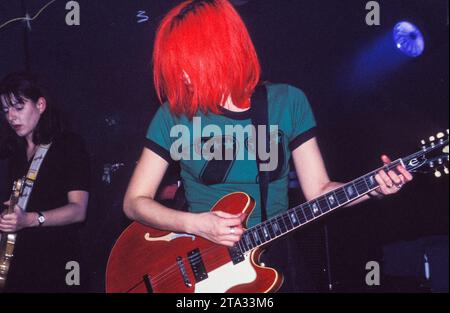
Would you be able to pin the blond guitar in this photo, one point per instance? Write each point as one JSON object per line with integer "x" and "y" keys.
{"x": 7, "y": 241}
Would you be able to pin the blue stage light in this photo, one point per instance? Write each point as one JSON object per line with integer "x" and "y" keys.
{"x": 409, "y": 39}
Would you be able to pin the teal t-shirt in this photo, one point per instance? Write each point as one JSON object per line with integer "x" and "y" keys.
{"x": 216, "y": 151}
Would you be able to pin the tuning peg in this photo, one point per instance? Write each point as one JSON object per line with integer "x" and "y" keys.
{"x": 423, "y": 142}
{"x": 432, "y": 138}
{"x": 438, "y": 174}
{"x": 440, "y": 135}
{"x": 446, "y": 170}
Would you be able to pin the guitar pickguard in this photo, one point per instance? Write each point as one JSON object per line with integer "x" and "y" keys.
{"x": 227, "y": 276}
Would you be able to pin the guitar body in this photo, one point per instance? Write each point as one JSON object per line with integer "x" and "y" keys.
{"x": 148, "y": 260}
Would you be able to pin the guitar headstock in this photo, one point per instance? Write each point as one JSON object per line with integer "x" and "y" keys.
{"x": 433, "y": 156}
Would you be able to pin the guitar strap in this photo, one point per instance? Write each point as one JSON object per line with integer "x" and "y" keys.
{"x": 32, "y": 174}
{"x": 260, "y": 117}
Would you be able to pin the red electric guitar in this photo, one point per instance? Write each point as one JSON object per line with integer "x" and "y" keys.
{"x": 146, "y": 260}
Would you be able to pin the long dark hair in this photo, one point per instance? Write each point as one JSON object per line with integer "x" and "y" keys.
{"x": 17, "y": 87}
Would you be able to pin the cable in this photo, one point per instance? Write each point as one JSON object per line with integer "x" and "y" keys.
{"x": 27, "y": 18}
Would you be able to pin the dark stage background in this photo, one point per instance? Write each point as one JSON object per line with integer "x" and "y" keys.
{"x": 100, "y": 74}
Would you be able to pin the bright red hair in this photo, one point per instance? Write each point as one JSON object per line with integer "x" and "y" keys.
{"x": 207, "y": 40}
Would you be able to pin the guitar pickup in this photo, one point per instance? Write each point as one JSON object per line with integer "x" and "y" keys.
{"x": 184, "y": 274}
{"x": 197, "y": 265}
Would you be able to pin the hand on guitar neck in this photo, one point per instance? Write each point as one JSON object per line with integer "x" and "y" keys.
{"x": 392, "y": 181}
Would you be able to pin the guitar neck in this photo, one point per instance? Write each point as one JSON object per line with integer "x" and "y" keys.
{"x": 308, "y": 212}
{"x": 14, "y": 198}
{"x": 12, "y": 203}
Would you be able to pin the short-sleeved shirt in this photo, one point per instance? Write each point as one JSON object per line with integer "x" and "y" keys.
{"x": 234, "y": 168}
{"x": 41, "y": 253}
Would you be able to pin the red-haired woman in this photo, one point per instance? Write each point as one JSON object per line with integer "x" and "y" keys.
{"x": 205, "y": 71}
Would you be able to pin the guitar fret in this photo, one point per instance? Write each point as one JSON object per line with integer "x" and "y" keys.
{"x": 241, "y": 246}
{"x": 266, "y": 233}
{"x": 361, "y": 186}
{"x": 256, "y": 237}
{"x": 281, "y": 224}
{"x": 261, "y": 234}
{"x": 249, "y": 240}
{"x": 323, "y": 204}
{"x": 287, "y": 222}
{"x": 370, "y": 181}
{"x": 244, "y": 245}
{"x": 307, "y": 211}
{"x": 294, "y": 218}
{"x": 270, "y": 228}
{"x": 350, "y": 191}
{"x": 341, "y": 196}
{"x": 303, "y": 218}
{"x": 332, "y": 201}
{"x": 315, "y": 209}
{"x": 276, "y": 227}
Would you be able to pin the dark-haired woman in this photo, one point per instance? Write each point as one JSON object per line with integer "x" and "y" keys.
{"x": 47, "y": 240}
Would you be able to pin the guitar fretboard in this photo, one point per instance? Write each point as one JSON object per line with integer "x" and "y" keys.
{"x": 308, "y": 212}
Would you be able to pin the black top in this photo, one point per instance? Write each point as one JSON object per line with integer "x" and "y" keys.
{"x": 41, "y": 254}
